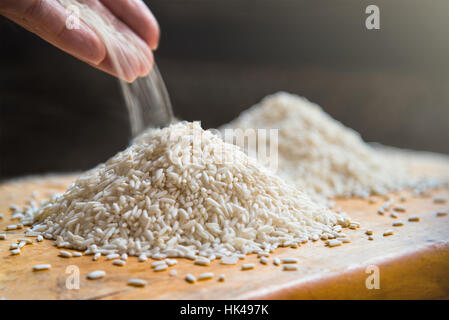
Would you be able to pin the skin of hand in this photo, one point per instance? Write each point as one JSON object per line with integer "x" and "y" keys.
{"x": 47, "y": 19}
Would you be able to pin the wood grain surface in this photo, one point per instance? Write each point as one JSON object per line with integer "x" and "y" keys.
{"x": 413, "y": 263}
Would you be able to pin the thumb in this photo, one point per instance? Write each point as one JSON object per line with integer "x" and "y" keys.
{"x": 48, "y": 19}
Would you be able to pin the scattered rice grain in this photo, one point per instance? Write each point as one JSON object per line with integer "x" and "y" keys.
{"x": 190, "y": 278}
{"x": 439, "y": 200}
{"x": 248, "y": 266}
{"x": 143, "y": 257}
{"x": 205, "y": 276}
{"x": 65, "y": 254}
{"x": 161, "y": 267}
{"x": 134, "y": 282}
{"x": 289, "y": 260}
{"x": 229, "y": 260}
{"x": 112, "y": 256}
{"x": 94, "y": 275}
{"x": 173, "y": 272}
{"x": 42, "y": 267}
{"x": 201, "y": 261}
{"x": 290, "y": 267}
{"x": 399, "y": 209}
{"x": 119, "y": 263}
{"x": 171, "y": 262}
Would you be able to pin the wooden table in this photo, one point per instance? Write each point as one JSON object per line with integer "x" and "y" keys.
{"x": 412, "y": 263}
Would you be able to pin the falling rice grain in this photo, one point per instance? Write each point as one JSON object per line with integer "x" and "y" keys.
{"x": 221, "y": 278}
{"x": 96, "y": 256}
{"x": 369, "y": 232}
{"x": 15, "y": 252}
{"x": 77, "y": 254}
{"x": 39, "y": 238}
{"x": 276, "y": 261}
{"x": 2, "y": 236}
{"x": 398, "y": 224}
{"x": 439, "y": 214}
{"x": 413, "y": 219}
{"x": 370, "y": 238}
{"x": 264, "y": 260}
{"x": 388, "y": 233}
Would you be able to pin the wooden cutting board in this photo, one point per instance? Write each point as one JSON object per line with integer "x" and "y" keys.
{"x": 412, "y": 263}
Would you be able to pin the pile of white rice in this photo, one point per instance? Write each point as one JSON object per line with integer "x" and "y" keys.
{"x": 181, "y": 191}
{"x": 319, "y": 154}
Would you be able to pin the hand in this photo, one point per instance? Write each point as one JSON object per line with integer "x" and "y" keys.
{"x": 47, "y": 19}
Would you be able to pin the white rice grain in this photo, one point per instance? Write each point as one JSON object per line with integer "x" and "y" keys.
{"x": 42, "y": 267}
{"x": 134, "y": 282}
{"x": 205, "y": 276}
{"x": 190, "y": 278}
{"x": 98, "y": 274}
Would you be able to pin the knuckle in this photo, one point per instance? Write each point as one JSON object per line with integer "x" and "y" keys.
{"x": 34, "y": 9}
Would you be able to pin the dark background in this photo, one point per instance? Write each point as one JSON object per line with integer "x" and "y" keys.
{"x": 220, "y": 57}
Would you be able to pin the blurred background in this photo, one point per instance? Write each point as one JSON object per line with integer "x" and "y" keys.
{"x": 219, "y": 58}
